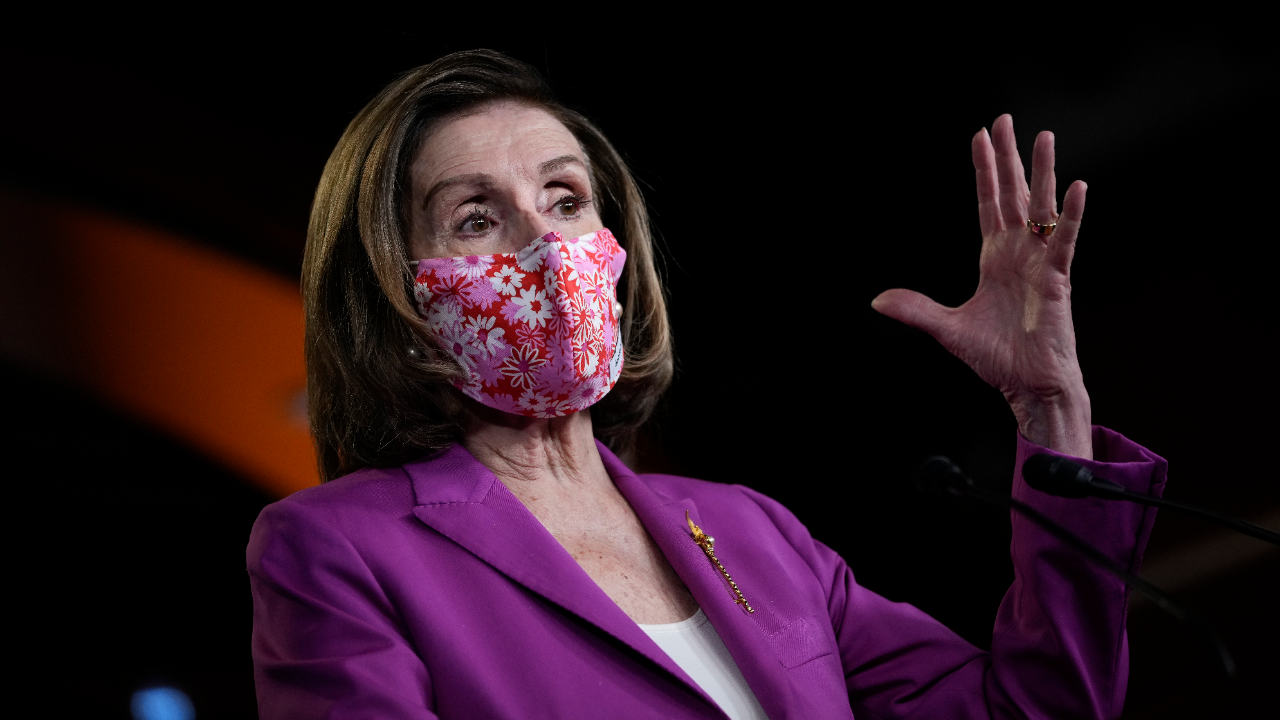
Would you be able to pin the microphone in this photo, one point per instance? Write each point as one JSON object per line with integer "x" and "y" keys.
{"x": 940, "y": 477}
{"x": 1065, "y": 478}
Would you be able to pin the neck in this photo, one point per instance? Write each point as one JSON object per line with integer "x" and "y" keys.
{"x": 534, "y": 452}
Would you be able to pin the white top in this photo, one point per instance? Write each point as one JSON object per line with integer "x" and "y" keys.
{"x": 696, "y": 647}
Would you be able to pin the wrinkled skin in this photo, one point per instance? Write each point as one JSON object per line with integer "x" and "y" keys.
{"x": 1016, "y": 330}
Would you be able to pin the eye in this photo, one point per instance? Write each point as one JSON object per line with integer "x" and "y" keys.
{"x": 476, "y": 224}
{"x": 570, "y": 205}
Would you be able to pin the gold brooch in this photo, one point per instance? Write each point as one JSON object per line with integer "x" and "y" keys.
{"x": 707, "y": 543}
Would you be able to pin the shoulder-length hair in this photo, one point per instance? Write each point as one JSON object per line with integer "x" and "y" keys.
{"x": 380, "y": 391}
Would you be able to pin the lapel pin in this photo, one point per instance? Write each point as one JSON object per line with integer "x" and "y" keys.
{"x": 707, "y": 543}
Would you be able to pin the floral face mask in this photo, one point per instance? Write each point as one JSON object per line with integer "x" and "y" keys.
{"x": 535, "y": 331}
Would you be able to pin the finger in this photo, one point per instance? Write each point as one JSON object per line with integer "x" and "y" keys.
{"x": 914, "y": 309}
{"x": 984, "y": 165}
{"x": 1062, "y": 243}
{"x": 1013, "y": 178}
{"x": 1044, "y": 184}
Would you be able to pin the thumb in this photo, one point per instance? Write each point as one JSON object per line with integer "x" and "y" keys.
{"x": 912, "y": 308}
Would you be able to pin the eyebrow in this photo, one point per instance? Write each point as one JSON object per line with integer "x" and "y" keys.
{"x": 483, "y": 179}
{"x": 471, "y": 179}
{"x": 559, "y": 163}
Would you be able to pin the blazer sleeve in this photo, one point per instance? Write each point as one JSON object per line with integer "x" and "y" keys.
{"x": 1059, "y": 648}
{"x": 326, "y": 642}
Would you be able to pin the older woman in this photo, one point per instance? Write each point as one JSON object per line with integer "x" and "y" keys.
{"x": 486, "y": 331}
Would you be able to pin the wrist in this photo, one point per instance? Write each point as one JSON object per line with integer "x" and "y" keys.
{"x": 1061, "y": 421}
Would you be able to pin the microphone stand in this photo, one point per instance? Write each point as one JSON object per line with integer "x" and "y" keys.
{"x": 940, "y": 476}
{"x": 1064, "y": 478}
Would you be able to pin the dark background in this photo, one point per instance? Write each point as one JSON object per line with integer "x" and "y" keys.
{"x": 791, "y": 181}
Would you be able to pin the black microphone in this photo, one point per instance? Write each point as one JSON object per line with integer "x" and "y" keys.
{"x": 940, "y": 477}
{"x": 1064, "y": 478}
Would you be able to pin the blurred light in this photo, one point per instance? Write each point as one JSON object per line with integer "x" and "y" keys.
{"x": 196, "y": 342}
{"x": 162, "y": 703}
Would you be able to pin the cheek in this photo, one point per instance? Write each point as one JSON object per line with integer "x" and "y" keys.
{"x": 416, "y": 242}
{"x": 592, "y": 220}
{"x": 420, "y": 241}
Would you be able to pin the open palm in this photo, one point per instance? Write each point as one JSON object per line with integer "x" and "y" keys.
{"x": 1016, "y": 330}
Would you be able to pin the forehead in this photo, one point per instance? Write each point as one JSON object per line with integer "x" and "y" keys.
{"x": 505, "y": 137}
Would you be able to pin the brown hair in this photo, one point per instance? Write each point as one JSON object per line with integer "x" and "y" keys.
{"x": 379, "y": 390}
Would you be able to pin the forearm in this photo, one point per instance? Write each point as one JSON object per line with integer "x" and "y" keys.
{"x": 1059, "y": 648}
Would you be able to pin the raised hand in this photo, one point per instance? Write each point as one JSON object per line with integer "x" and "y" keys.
{"x": 1016, "y": 330}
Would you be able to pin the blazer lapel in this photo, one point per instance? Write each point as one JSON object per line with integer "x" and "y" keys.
{"x": 463, "y": 500}
{"x": 743, "y": 633}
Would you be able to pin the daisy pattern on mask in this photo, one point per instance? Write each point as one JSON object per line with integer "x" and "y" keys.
{"x": 487, "y": 338}
{"x": 551, "y": 281}
{"x": 586, "y": 393}
{"x": 596, "y": 317}
{"x": 559, "y": 377}
{"x": 472, "y": 266}
{"x": 608, "y": 335}
{"x": 523, "y": 367}
{"x": 580, "y": 319}
{"x": 568, "y": 262}
{"x": 533, "y": 307}
{"x": 442, "y": 317}
{"x": 530, "y": 259}
{"x": 596, "y": 286}
{"x": 532, "y": 329}
{"x": 584, "y": 248}
{"x": 457, "y": 343}
{"x": 526, "y": 335}
{"x": 534, "y": 403}
{"x": 506, "y": 280}
{"x": 453, "y": 292}
{"x": 483, "y": 294}
{"x": 560, "y": 310}
{"x": 422, "y": 295}
{"x": 501, "y": 401}
{"x": 488, "y": 370}
{"x": 451, "y": 288}
{"x": 555, "y": 408}
{"x": 587, "y": 361}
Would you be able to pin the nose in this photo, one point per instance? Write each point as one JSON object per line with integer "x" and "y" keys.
{"x": 527, "y": 225}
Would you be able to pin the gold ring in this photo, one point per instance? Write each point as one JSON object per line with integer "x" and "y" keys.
{"x": 1045, "y": 230}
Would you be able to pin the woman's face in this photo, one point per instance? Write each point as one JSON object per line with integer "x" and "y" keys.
{"x": 494, "y": 181}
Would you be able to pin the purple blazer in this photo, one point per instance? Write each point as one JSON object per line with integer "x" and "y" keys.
{"x": 430, "y": 591}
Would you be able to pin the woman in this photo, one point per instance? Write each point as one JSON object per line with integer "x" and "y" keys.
{"x": 481, "y": 348}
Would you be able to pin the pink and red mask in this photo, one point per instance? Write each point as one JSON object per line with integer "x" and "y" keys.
{"x": 535, "y": 331}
